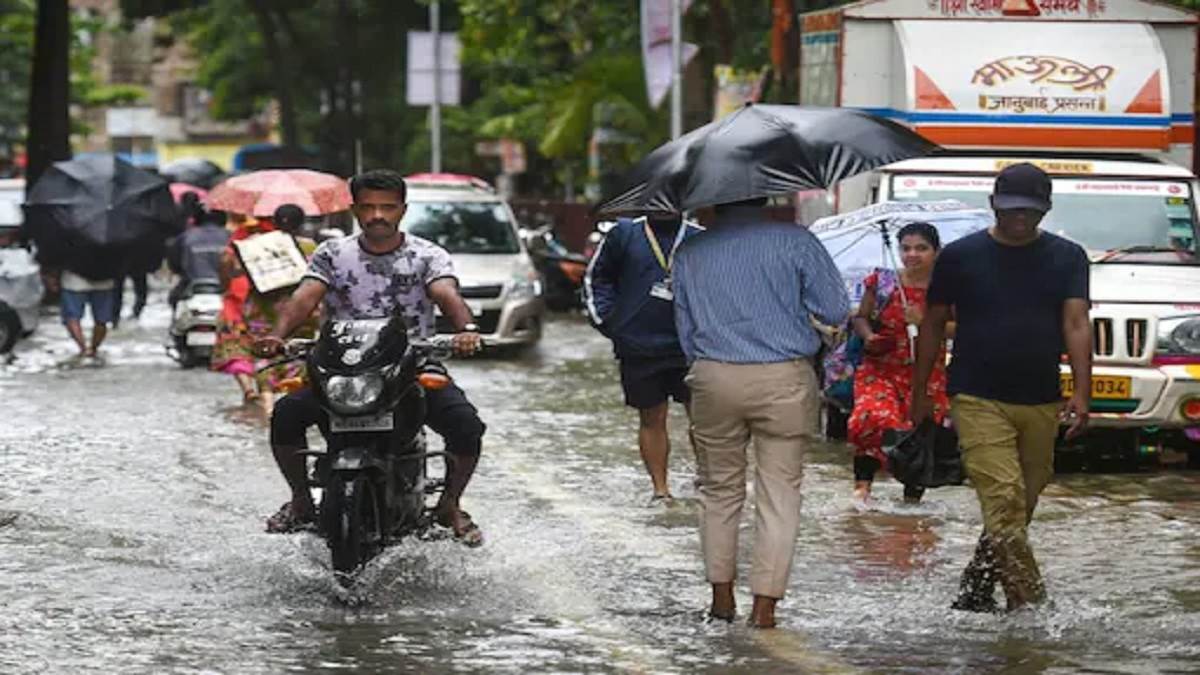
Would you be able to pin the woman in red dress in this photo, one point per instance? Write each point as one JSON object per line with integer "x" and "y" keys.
{"x": 883, "y": 382}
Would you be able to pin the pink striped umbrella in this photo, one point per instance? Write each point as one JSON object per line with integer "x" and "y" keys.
{"x": 261, "y": 192}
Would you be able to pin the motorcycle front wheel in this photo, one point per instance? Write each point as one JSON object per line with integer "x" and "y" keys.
{"x": 353, "y": 523}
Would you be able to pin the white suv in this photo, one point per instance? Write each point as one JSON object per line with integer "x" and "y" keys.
{"x": 465, "y": 216}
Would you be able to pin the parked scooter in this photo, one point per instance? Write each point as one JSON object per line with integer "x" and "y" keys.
{"x": 193, "y": 330}
{"x": 370, "y": 378}
{"x": 561, "y": 268}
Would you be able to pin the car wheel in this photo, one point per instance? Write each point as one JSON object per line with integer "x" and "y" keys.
{"x": 10, "y": 328}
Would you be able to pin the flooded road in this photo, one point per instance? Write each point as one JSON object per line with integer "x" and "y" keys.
{"x": 131, "y": 540}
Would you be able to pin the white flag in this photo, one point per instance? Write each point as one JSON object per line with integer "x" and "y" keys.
{"x": 656, "y": 47}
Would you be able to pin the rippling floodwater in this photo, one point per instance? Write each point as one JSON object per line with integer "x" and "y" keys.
{"x": 131, "y": 540}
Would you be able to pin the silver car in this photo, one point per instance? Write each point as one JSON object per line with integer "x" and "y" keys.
{"x": 466, "y": 217}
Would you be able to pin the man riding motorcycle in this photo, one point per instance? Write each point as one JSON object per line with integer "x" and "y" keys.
{"x": 195, "y": 255}
{"x": 376, "y": 274}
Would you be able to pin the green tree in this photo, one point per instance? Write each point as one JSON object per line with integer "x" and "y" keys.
{"x": 17, "y": 18}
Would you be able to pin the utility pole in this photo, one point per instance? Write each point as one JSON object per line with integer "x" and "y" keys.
{"x": 435, "y": 110}
{"x": 676, "y": 68}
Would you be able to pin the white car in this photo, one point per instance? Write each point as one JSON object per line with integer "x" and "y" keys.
{"x": 20, "y": 277}
{"x": 465, "y": 216}
{"x": 1139, "y": 221}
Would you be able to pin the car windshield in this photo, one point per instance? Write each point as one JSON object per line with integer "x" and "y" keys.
{"x": 1115, "y": 220}
{"x": 463, "y": 227}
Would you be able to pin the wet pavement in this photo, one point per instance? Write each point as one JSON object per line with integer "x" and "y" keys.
{"x": 131, "y": 540}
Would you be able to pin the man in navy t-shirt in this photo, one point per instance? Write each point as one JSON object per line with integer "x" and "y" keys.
{"x": 1019, "y": 297}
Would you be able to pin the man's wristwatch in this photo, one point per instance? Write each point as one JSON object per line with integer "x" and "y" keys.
{"x": 470, "y": 328}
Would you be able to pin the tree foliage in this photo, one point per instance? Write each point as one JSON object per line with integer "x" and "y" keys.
{"x": 18, "y": 20}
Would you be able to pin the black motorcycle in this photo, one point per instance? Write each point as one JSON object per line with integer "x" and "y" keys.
{"x": 562, "y": 269}
{"x": 371, "y": 378}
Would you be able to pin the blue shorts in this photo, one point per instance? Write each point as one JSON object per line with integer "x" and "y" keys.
{"x": 72, "y": 304}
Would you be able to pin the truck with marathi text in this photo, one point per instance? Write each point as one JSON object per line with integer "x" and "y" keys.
{"x": 1101, "y": 95}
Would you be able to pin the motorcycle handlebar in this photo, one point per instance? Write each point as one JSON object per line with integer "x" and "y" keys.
{"x": 439, "y": 347}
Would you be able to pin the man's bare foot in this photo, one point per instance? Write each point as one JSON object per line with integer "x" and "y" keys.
{"x": 724, "y": 607}
{"x": 762, "y": 615}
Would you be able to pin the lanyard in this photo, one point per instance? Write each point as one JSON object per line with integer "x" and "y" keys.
{"x": 664, "y": 261}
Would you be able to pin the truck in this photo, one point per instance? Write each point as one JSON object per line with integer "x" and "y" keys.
{"x": 1101, "y": 95}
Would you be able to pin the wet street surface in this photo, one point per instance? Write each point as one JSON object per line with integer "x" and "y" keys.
{"x": 131, "y": 540}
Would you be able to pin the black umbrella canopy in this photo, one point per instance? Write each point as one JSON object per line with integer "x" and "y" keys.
{"x": 763, "y": 150}
{"x": 88, "y": 213}
{"x": 194, "y": 171}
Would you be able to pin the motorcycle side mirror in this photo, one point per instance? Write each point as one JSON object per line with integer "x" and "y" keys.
{"x": 532, "y": 240}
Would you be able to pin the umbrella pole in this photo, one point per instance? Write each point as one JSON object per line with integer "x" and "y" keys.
{"x": 891, "y": 258}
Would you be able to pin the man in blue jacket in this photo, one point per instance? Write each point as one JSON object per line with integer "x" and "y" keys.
{"x": 629, "y": 299}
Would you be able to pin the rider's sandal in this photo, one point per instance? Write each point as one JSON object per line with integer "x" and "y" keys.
{"x": 285, "y": 521}
{"x": 470, "y": 536}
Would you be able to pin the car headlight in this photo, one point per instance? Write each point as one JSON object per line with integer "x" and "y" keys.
{"x": 354, "y": 392}
{"x": 527, "y": 285}
{"x": 1179, "y": 336}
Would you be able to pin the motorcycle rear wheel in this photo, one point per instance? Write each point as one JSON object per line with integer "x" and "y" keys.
{"x": 354, "y": 526}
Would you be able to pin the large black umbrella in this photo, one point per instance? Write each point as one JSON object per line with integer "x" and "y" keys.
{"x": 94, "y": 213}
{"x": 763, "y": 150}
{"x": 193, "y": 171}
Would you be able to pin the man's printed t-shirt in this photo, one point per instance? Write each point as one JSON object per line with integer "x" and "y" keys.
{"x": 364, "y": 285}
{"x": 1008, "y": 304}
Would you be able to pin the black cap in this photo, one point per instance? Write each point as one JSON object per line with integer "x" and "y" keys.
{"x": 289, "y": 217}
{"x": 1022, "y": 186}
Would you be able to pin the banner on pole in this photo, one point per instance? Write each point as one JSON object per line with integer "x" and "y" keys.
{"x": 656, "y": 47}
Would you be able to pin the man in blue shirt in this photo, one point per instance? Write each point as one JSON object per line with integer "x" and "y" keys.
{"x": 628, "y": 298}
{"x": 746, "y": 293}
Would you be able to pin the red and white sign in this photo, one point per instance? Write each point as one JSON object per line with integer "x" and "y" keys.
{"x": 1062, "y": 9}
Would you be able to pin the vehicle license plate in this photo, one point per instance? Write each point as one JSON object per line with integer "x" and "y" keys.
{"x": 1103, "y": 386}
{"x": 380, "y": 422}
{"x": 201, "y": 339}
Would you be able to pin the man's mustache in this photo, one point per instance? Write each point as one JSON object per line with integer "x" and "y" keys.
{"x": 379, "y": 221}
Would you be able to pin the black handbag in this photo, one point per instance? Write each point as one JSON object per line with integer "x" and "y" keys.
{"x": 927, "y": 456}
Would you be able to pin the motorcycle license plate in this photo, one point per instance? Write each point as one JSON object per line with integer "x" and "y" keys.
{"x": 1103, "y": 386}
{"x": 201, "y": 339}
{"x": 380, "y": 422}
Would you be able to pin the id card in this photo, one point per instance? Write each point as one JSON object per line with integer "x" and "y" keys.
{"x": 662, "y": 291}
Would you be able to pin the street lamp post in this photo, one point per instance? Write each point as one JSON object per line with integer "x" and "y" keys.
{"x": 676, "y": 68}
{"x": 435, "y": 110}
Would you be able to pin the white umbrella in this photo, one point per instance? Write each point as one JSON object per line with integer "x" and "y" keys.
{"x": 864, "y": 240}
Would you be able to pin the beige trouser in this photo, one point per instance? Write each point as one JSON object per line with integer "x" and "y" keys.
{"x": 776, "y": 405}
{"x": 1008, "y": 453}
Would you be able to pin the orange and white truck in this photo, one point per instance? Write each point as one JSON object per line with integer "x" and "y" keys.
{"x": 1100, "y": 94}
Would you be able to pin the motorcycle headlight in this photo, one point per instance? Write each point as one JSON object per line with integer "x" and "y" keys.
{"x": 354, "y": 392}
{"x": 1179, "y": 336}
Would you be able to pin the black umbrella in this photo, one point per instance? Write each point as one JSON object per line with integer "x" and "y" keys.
{"x": 763, "y": 150}
{"x": 193, "y": 171}
{"x": 91, "y": 213}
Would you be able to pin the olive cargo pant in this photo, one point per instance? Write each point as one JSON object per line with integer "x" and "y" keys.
{"x": 1008, "y": 454}
{"x": 773, "y": 405}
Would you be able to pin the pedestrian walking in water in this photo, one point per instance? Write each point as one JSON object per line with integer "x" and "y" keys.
{"x": 746, "y": 293}
{"x": 628, "y": 297}
{"x": 1020, "y": 299}
{"x": 883, "y": 380}
{"x": 77, "y": 294}
{"x": 247, "y": 314}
